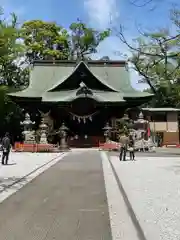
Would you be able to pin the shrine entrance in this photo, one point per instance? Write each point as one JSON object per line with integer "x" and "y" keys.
{"x": 85, "y": 122}
{"x": 85, "y": 132}
{"x": 84, "y": 119}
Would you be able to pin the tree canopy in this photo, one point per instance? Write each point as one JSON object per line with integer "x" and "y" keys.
{"x": 47, "y": 40}
{"x": 84, "y": 40}
{"x": 156, "y": 57}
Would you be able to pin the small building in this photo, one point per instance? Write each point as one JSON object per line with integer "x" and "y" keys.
{"x": 83, "y": 95}
{"x": 165, "y": 123}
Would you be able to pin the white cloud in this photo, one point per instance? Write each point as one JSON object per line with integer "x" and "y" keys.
{"x": 101, "y": 12}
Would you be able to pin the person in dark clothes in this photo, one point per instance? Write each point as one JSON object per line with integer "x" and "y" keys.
{"x": 6, "y": 146}
{"x": 124, "y": 144}
{"x": 131, "y": 147}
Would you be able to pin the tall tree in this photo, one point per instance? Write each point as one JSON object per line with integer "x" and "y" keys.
{"x": 10, "y": 73}
{"x": 84, "y": 40}
{"x": 45, "y": 40}
{"x": 156, "y": 57}
{"x": 10, "y": 50}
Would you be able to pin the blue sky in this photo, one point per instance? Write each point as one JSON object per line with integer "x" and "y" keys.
{"x": 98, "y": 14}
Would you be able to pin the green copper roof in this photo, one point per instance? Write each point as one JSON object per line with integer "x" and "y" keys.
{"x": 46, "y": 77}
{"x": 100, "y": 78}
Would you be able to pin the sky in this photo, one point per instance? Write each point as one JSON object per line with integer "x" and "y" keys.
{"x": 99, "y": 14}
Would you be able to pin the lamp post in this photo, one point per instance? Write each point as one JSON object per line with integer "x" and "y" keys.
{"x": 29, "y": 136}
{"x": 131, "y": 126}
{"x": 124, "y": 123}
{"x": 63, "y": 133}
{"x": 43, "y": 131}
{"x": 107, "y": 131}
{"x": 125, "y": 117}
{"x": 141, "y": 121}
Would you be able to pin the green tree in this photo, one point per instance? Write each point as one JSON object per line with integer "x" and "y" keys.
{"x": 10, "y": 51}
{"x": 156, "y": 57}
{"x": 11, "y": 75}
{"x": 44, "y": 40}
{"x": 85, "y": 40}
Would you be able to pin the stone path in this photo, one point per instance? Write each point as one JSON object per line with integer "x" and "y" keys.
{"x": 66, "y": 202}
{"x": 152, "y": 185}
{"x": 22, "y": 168}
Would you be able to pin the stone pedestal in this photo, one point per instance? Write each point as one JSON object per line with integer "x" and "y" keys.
{"x": 107, "y": 132}
{"x": 29, "y": 134}
{"x": 43, "y": 131}
{"x": 63, "y": 143}
{"x": 29, "y": 137}
{"x": 43, "y": 139}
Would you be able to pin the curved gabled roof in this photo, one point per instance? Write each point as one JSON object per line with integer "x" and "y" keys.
{"x": 111, "y": 76}
{"x": 99, "y": 78}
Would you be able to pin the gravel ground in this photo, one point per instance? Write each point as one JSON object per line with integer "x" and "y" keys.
{"x": 152, "y": 185}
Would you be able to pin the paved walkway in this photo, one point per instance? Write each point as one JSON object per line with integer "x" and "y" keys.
{"x": 66, "y": 202}
{"x": 22, "y": 168}
{"x": 152, "y": 185}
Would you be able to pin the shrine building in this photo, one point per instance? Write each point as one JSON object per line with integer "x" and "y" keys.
{"x": 83, "y": 95}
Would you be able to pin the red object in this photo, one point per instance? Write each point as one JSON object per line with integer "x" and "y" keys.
{"x": 148, "y": 132}
{"x": 109, "y": 146}
{"x": 18, "y": 147}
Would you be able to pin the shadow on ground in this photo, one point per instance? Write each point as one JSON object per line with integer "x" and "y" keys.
{"x": 10, "y": 182}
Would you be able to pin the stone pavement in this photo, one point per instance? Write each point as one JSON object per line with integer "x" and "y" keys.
{"x": 152, "y": 185}
{"x": 22, "y": 168}
{"x": 66, "y": 202}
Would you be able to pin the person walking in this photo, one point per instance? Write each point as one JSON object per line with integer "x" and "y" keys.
{"x": 6, "y": 146}
{"x": 124, "y": 144}
{"x": 131, "y": 147}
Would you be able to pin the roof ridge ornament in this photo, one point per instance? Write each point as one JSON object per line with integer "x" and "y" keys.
{"x": 82, "y": 84}
{"x": 83, "y": 90}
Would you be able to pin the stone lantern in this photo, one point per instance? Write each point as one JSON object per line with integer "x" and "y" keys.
{"x": 43, "y": 132}
{"x": 141, "y": 124}
{"x": 63, "y": 133}
{"x": 124, "y": 122}
{"x": 29, "y": 134}
{"x": 131, "y": 127}
{"x": 125, "y": 118}
{"x": 107, "y": 132}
